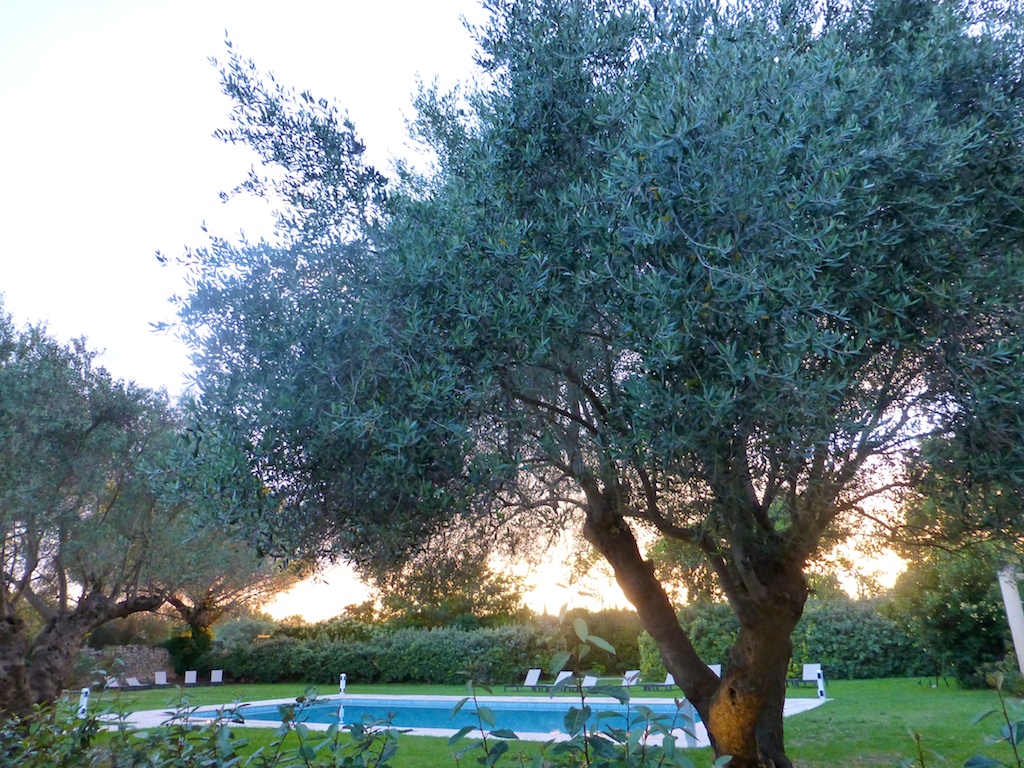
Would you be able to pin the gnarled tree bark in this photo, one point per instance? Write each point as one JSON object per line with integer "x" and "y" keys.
{"x": 36, "y": 671}
{"x": 743, "y": 710}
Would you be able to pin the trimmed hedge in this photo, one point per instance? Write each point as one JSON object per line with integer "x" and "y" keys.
{"x": 439, "y": 656}
{"x": 619, "y": 627}
{"x": 850, "y": 639}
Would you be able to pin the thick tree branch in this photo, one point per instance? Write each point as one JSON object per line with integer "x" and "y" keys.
{"x": 554, "y": 410}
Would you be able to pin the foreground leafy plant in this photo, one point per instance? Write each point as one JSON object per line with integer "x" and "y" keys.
{"x": 596, "y": 739}
{"x": 918, "y": 760}
{"x": 599, "y": 740}
{"x": 1012, "y": 731}
{"x": 492, "y": 744}
{"x": 55, "y": 737}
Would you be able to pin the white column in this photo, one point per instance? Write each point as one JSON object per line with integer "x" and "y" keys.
{"x": 1014, "y": 612}
{"x": 83, "y": 703}
{"x": 689, "y": 713}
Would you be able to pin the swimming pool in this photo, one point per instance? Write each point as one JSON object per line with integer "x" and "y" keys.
{"x": 523, "y": 715}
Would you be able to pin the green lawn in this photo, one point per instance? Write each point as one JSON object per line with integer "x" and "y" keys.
{"x": 866, "y": 724}
{"x": 869, "y": 723}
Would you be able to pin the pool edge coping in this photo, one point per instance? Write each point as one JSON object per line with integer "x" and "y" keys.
{"x": 156, "y": 718}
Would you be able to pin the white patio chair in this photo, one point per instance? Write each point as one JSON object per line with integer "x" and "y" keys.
{"x": 531, "y": 681}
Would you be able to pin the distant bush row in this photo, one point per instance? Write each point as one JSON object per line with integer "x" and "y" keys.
{"x": 258, "y": 649}
{"x": 850, "y": 639}
{"x": 439, "y": 656}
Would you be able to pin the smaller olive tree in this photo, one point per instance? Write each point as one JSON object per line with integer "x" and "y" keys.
{"x": 78, "y": 521}
{"x": 88, "y": 530}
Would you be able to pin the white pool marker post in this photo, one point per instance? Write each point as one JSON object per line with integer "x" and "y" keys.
{"x": 689, "y": 713}
{"x": 342, "y": 682}
{"x": 83, "y": 703}
{"x": 1014, "y": 612}
{"x": 821, "y": 684}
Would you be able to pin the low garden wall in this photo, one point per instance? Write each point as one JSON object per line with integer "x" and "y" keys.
{"x": 123, "y": 661}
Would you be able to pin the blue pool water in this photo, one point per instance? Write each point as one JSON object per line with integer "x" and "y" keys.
{"x": 539, "y": 716}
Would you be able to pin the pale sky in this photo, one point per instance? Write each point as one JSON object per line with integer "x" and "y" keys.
{"x": 107, "y": 157}
{"x": 108, "y": 108}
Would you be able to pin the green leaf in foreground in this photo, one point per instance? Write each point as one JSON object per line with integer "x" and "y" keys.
{"x": 981, "y": 761}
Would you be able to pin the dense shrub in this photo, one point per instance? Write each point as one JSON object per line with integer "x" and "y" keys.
{"x": 712, "y": 628}
{"x": 294, "y": 660}
{"x": 438, "y": 656}
{"x": 850, "y": 639}
{"x": 952, "y": 605}
{"x": 243, "y": 630}
{"x": 338, "y": 628}
{"x": 622, "y": 628}
{"x": 190, "y": 649}
{"x": 1005, "y": 672}
{"x": 617, "y": 626}
{"x": 855, "y": 640}
{"x": 442, "y": 655}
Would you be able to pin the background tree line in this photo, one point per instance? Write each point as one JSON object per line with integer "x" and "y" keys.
{"x": 942, "y": 623}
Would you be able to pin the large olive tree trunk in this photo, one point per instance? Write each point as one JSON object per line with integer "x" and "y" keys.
{"x": 745, "y": 717}
{"x": 743, "y": 710}
{"x": 15, "y": 698}
{"x": 35, "y": 670}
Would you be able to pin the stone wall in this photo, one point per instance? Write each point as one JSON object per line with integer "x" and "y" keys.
{"x": 139, "y": 661}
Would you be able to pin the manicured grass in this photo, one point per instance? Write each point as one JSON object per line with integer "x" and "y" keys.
{"x": 869, "y": 723}
{"x": 866, "y": 723}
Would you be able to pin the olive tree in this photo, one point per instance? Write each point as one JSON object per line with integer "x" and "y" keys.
{"x": 75, "y": 511}
{"x": 209, "y": 570}
{"x": 88, "y": 530}
{"x": 701, "y": 271}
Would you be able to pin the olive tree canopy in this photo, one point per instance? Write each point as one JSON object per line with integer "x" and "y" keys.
{"x": 710, "y": 272}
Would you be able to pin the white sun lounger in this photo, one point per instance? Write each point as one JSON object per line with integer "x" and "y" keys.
{"x": 562, "y": 676}
{"x": 530, "y": 683}
{"x": 670, "y": 682}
